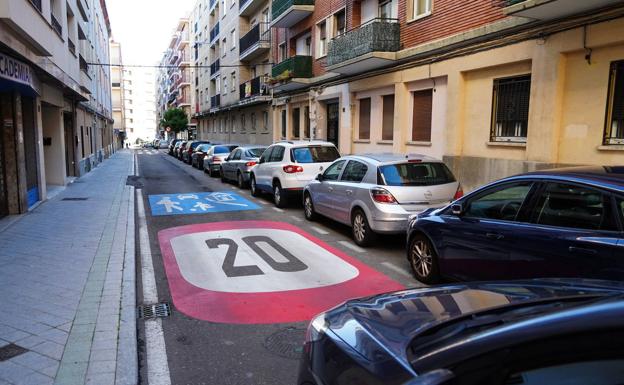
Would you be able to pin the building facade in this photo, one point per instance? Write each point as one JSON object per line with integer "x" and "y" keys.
{"x": 48, "y": 91}
{"x": 118, "y": 97}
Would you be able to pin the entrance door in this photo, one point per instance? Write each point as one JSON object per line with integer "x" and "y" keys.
{"x": 30, "y": 150}
{"x": 333, "y": 122}
{"x": 68, "y": 126}
{"x": 6, "y": 111}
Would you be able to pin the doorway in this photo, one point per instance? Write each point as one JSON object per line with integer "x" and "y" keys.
{"x": 6, "y": 111}
{"x": 31, "y": 155}
{"x": 333, "y": 122}
{"x": 70, "y": 157}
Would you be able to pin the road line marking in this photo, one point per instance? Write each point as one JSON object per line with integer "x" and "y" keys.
{"x": 352, "y": 246}
{"x": 394, "y": 267}
{"x": 157, "y": 366}
{"x": 319, "y": 230}
{"x": 296, "y": 218}
{"x": 278, "y": 209}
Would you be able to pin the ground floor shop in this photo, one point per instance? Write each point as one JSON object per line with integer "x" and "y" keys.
{"x": 246, "y": 124}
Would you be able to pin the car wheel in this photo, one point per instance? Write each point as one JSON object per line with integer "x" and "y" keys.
{"x": 240, "y": 181}
{"x": 206, "y": 170}
{"x": 423, "y": 260}
{"x": 253, "y": 187}
{"x": 363, "y": 235}
{"x": 279, "y": 196}
{"x": 308, "y": 207}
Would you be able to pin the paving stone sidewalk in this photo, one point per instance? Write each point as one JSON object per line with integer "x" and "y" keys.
{"x": 67, "y": 285}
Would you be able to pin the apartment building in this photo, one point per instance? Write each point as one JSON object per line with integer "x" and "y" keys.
{"x": 56, "y": 108}
{"x": 118, "y": 97}
{"x": 492, "y": 87}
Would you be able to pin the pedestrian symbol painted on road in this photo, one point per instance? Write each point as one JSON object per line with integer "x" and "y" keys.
{"x": 198, "y": 203}
{"x": 250, "y": 272}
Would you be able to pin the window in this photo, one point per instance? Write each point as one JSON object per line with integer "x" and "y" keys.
{"x": 233, "y": 38}
{"x": 306, "y": 122}
{"x": 284, "y": 124}
{"x": 572, "y": 206}
{"x": 501, "y": 202}
{"x": 224, "y": 46}
{"x": 253, "y": 121}
{"x": 265, "y": 120}
{"x": 277, "y": 154}
{"x": 334, "y": 170}
{"x": 614, "y": 127}
{"x": 308, "y": 46}
{"x": 340, "y": 23}
{"x": 281, "y": 52}
{"x": 387, "y": 128}
{"x": 237, "y": 155}
{"x": 386, "y": 9}
{"x": 415, "y": 174}
{"x": 233, "y": 81}
{"x": 421, "y": 116}
{"x": 296, "y": 122}
{"x": 365, "y": 114}
{"x": 218, "y": 85}
{"x": 225, "y": 7}
{"x": 322, "y": 34}
{"x": 315, "y": 154}
{"x": 420, "y": 8}
{"x": 233, "y": 123}
{"x": 620, "y": 205}
{"x": 242, "y": 122}
{"x": 354, "y": 172}
{"x": 225, "y": 85}
{"x": 510, "y": 109}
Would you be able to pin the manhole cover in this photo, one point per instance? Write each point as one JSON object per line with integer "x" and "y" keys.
{"x": 287, "y": 343}
{"x": 75, "y": 199}
{"x": 154, "y": 311}
{"x": 11, "y": 350}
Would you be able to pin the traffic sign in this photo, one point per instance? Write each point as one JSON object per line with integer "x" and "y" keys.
{"x": 198, "y": 203}
{"x": 249, "y": 272}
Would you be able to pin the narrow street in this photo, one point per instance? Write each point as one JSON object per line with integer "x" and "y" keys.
{"x": 215, "y": 333}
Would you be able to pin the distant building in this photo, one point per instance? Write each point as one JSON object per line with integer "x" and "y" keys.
{"x": 118, "y": 93}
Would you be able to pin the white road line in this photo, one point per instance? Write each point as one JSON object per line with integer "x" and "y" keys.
{"x": 394, "y": 267}
{"x": 278, "y": 209}
{"x": 352, "y": 246}
{"x": 296, "y": 218}
{"x": 157, "y": 366}
{"x": 319, "y": 230}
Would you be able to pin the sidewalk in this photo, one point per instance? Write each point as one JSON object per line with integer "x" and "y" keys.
{"x": 67, "y": 285}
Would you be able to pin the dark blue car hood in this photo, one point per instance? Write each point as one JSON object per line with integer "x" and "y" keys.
{"x": 380, "y": 328}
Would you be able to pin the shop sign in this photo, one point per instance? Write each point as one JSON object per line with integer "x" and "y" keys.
{"x": 17, "y": 71}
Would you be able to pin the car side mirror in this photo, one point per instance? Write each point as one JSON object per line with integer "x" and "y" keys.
{"x": 319, "y": 177}
{"x": 434, "y": 377}
{"x": 457, "y": 209}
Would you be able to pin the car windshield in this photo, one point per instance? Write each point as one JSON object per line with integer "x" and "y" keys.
{"x": 255, "y": 152}
{"x": 315, "y": 154}
{"x": 415, "y": 174}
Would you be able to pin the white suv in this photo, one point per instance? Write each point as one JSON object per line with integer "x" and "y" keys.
{"x": 287, "y": 166}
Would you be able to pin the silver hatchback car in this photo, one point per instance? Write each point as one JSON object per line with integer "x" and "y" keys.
{"x": 377, "y": 193}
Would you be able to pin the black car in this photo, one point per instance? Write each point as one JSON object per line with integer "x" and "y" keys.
{"x": 172, "y": 146}
{"x": 546, "y": 332}
{"x": 556, "y": 223}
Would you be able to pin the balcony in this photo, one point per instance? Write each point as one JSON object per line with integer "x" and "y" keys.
{"x": 364, "y": 48}
{"x": 249, "y": 7}
{"x": 215, "y": 68}
{"x": 214, "y": 33}
{"x": 254, "y": 90}
{"x": 286, "y": 13}
{"x": 56, "y": 25}
{"x": 182, "y": 100}
{"x": 71, "y": 46}
{"x": 255, "y": 42}
{"x": 552, "y": 9}
{"x": 292, "y": 73}
{"x": 215, "y": 101}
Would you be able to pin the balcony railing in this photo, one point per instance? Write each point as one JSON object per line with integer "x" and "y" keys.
{"x": 214, "y": 67}
{"x": 36, "y": 4}
{"x": 215, "y": 101}
{"x": 280, "y": 6}
{"x": 56, "y": 25}
{"x": 71, "y": 46}
{"x": 254, "y": 87}
{"x": 259, "y": 33}
{"x": 377, "y": 35}
{"x": 214, "y": 32}
{"x": 298, "y": 66}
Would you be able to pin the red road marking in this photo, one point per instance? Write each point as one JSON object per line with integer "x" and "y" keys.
{"x": 267, "y": 307}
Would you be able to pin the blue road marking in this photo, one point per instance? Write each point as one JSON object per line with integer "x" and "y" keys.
{"x": 198, "y": 203}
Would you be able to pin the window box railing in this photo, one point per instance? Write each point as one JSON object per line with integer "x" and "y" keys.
{"x": 298, "y": 66}
{"x": 254, "y": 87}
{"x": 377, "y": 35}
{"x": 214, "y": 32}
{"x": 71, "y": 46}
{"x": 56, "y": 25}
{"x": 37, "y": 4}
{"x": 259, "y": 32}
{"x": 280, "y": 6}
{"x": 215, "y": 101}
{"x": 214, "y": 67}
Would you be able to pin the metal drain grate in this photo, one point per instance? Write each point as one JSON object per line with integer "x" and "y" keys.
{"x": 11, "y": 350}
{"x": 154, "y": 311}
{"x": 286, "y": 343}
{"x": 74, "y": 199}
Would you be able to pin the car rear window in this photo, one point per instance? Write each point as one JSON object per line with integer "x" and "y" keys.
{"x": 415, "y": 174}
{"x": 222, "y": 149}
{"x": 314, "y": 154}
{"x": 255, "y": 152}
{"x": 195, "y": 144}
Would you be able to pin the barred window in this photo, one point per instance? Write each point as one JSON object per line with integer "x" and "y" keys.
{"x": 510, "y": 109}
{"x": 614, "y": 127}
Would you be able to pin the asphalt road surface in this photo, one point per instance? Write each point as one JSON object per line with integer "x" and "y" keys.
{"x": 244, "y": 277}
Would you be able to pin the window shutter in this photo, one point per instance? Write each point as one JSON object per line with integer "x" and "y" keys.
{"x": 421, "y": 118}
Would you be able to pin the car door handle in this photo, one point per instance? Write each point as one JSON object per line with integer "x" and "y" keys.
{"x": 349, "y": 192}
{"x": 582, "y": 250}
{"x": 494, "y": 236}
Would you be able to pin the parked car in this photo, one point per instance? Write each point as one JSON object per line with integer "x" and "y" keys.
{"x": 215, "y": 156}
{"x": 180, "y": 149}
{"x": 238, "y": 164}
{"x": 531, "y": 332}
{"x": 558, "y": 223}
{"x": 163, "y": 144}
{"x": 286, "y": 167}
{"x": 197, "y": 158}
{"x": 190, "y": 147}
{"x": 377, "y": 193}
{"x": 172, "y": 145}
{"x": 174, "y": 150}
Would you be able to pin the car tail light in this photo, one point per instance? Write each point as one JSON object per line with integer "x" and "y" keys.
{"x": 214, "y": 159}
{"x": 250, "y": 164}
{"x": 291, "y": 169}
{"x": 382, "y": 196}
{"x": 459, "y": 193}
